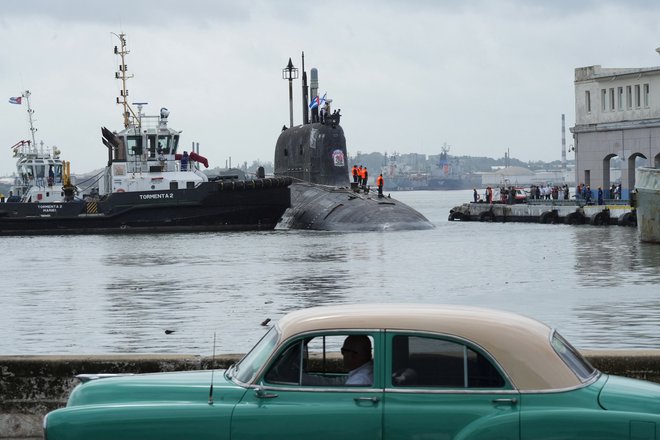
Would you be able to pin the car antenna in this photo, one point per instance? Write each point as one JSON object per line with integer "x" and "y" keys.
{"x": 212, "y": 371}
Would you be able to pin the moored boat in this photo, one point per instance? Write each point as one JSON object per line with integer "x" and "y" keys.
{"x": 148, "y": 185}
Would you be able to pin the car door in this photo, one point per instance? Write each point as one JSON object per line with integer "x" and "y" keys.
{"x": 437, "y": 387}
{"x": 302, "y": 394}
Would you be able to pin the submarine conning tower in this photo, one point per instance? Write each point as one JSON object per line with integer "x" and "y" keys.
{"x": 315, "y": 151}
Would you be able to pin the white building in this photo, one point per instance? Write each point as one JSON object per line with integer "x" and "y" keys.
{"x": 519, "y": 176}
{"x": 617, "y": 114}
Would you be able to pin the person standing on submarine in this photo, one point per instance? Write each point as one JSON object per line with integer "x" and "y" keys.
{"x": 379, "y": 182}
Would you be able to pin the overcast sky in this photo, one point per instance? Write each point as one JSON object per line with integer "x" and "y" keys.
{"x": 482, "y": 76}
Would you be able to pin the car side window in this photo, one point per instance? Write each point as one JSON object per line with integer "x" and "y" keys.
{"x": 432, "y": 362}
{"x": 325, "y": 360}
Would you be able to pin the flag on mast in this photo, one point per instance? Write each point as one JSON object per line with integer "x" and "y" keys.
{"x": 16, "y": 100}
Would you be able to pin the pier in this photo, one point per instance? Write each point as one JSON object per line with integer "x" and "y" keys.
{"x": 612, "y": 212}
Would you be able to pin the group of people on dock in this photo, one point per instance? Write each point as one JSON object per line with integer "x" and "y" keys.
{"x": 513, "y": 195}
{"x": 583, "y": 192}
{"x": 548, "y": 192}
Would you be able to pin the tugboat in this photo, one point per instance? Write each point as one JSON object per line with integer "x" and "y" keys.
{"x": 148, "y": 185}
{"x": 41, "y": 175}
{"x": 322, "y": 198}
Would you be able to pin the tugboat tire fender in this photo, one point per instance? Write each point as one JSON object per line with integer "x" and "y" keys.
{"x": 600, "y": 219}
{"x": 548, "y": 217}
{"x": 628, "y": 219}
{"x": 575, "y": 218}
{"x": 456, "y": 216}
{"x": 487, "y": 216}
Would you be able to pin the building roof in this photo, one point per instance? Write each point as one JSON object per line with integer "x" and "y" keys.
{"x": 519, "y": 344}
{"x": 514, "y": 171}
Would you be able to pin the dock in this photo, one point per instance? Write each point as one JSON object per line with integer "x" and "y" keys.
{"x": 572, "y": 212}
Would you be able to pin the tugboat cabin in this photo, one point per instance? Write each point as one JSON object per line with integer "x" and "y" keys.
{"x": 144, "y": 157}
{"x": 39, "y": 174}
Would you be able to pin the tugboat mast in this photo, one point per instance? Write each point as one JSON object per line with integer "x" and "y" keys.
{"x": 26, "y": 95}
{"x": 124, "y": 77}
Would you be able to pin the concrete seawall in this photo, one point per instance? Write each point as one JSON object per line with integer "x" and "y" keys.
{"x": 30, "y": 386}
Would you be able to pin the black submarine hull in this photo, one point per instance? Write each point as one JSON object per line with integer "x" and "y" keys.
{"x": 329, "y": 208}
{"x": 212, "y": 206}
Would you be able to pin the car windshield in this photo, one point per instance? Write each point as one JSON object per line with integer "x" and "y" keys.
{"x": 248, "y": 366}
{"x": 579, "y": 365}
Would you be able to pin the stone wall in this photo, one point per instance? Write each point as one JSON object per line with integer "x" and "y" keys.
{"x": 31, "y": 386}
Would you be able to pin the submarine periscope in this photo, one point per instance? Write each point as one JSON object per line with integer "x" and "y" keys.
{"x": 314, "y": 155}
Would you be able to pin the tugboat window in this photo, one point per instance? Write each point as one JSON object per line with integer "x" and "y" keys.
{"x": 164, "y": 144}
{"x": 134, "y": 145}
{"x": 152, "y": 146}
{"x": 175, "y": 143}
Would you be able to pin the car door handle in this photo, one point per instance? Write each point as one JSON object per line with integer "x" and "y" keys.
{"x": 372, "y": 399}
{"x": 511, "y": 401}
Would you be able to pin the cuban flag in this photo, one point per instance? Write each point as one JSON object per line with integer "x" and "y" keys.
{"x": 16, "y": 100}
{"x": 314, "y": 103}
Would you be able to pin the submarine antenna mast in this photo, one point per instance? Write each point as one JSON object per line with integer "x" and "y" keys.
{"x": 305, "y": 95}
{"x": 290, "y": 73}
{"x": 124, "y": 77}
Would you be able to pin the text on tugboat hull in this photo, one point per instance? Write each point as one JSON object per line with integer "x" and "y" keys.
{"x": 156, "y": 196}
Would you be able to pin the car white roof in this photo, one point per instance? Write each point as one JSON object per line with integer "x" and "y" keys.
{"x": 521, "y": 345}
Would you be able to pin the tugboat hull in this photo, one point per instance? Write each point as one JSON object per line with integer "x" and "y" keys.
{"x": 212, "y": 206}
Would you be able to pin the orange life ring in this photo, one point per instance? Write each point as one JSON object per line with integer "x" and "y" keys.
{"x": 120, "y": 190}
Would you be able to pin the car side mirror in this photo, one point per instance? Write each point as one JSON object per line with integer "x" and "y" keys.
{"x": 262, "y": 394}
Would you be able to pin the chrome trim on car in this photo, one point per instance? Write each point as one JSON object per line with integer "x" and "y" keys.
{"x": 44, "y": 427}
{"x": 421, "y": 390}
{"x": 318, "y": 389}
{"x": 591, "y": 381}
{"x": 94, "y": 376}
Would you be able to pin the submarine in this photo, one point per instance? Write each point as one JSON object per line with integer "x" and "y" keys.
{"x": 314, "y": 155}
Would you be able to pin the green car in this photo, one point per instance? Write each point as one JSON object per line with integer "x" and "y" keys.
{"x": 376, "y": 372}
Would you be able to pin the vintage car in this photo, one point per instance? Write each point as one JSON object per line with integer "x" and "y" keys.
{"x": 437, "y": 372}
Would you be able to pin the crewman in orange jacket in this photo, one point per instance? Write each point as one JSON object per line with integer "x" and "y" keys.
{"x": 359, "y": 175}
{"x": 379, "y": 183}
{"x": 365, "y": 177}
{"x": 355, "y": 173}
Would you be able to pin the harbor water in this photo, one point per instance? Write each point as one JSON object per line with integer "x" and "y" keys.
{"x": 599, "y": 286}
